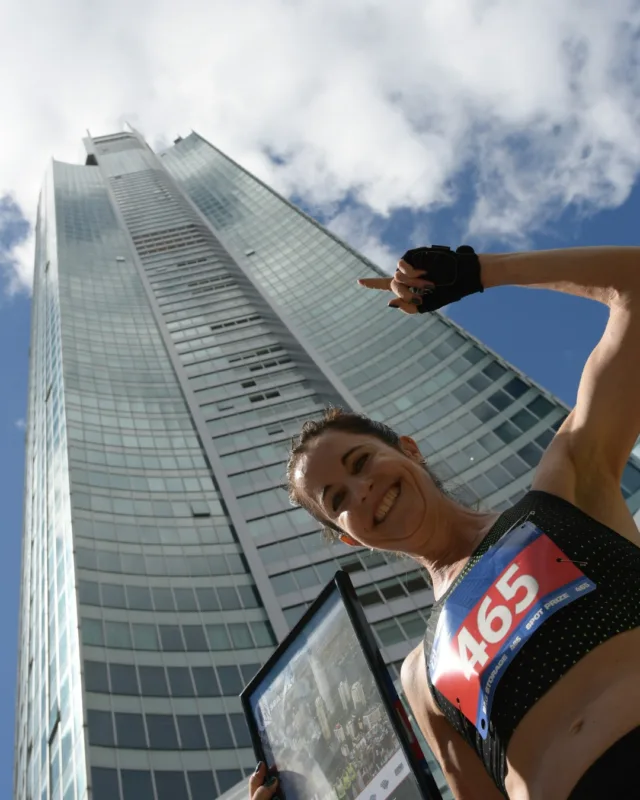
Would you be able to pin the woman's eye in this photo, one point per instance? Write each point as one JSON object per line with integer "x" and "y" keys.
{"x": 337, "y": 499}
{"x": 359, "y": 464}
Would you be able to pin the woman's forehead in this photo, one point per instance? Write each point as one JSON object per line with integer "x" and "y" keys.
{"x": 323, "y": 456}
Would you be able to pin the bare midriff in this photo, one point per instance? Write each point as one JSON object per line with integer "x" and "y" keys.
{"x": 587, "y": 711}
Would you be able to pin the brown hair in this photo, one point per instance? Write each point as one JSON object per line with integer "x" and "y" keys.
{"x": 337, "y": 419}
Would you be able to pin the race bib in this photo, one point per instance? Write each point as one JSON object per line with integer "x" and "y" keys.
{"x": 497, "y": 606}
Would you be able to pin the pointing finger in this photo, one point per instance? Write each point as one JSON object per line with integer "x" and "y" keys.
{"x": 376, "y": 283}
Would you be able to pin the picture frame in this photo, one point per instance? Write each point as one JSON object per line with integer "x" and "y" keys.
{"x": 324, "y": 714}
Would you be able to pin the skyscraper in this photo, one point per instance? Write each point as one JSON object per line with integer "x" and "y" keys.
{"x": 321, "y": 713}
{"x": 186, "y": 320}
{"x": 345, "y": 695}
{"x": 358, "y": 696}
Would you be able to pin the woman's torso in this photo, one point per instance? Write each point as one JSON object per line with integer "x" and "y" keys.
{"x": 579, "y": 709}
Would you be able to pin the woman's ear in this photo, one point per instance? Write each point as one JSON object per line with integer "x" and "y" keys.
{"x": 410, "y": 448}
{"x": 349, "y": 540}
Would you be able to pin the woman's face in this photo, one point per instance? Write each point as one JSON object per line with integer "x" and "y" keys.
{"x": 378, "y": 495}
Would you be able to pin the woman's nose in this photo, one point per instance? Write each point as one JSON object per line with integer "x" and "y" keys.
{"x": 362, "y": 488}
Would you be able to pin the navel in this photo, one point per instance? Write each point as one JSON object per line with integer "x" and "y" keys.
{"x": 576, "y": 727}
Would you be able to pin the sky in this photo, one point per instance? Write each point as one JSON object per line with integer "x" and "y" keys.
{"x": 500, "y": 124}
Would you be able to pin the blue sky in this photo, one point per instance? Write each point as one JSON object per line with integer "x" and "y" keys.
{"x": 14, "y": 347}
{"x": 545, "y": 334}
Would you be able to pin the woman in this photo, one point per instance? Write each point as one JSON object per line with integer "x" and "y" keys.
{"x": 528, "y": 686}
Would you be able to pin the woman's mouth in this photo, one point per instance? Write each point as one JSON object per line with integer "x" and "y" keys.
{"x": 387, "y": 503}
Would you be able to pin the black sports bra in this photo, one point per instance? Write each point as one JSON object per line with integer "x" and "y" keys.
{"x": 606, "y": 558}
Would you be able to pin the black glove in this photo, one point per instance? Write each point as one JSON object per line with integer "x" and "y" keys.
{"x": 455, "y": 275}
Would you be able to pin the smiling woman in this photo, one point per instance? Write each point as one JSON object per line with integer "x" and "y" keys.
{"x": 526, "y": 682}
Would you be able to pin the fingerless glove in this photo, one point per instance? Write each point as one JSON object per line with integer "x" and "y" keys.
{"x": 455, "y": 274}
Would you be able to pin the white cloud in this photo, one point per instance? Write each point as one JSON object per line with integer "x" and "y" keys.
{"x": 385, "y": 102}
{"x": 19, "y": 263}
{"x": 16, "y": 246}
{"x": 21, "y": 425}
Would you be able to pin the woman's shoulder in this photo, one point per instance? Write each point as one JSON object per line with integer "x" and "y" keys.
{"x": 596, "y": 494}
{"x": 556, "y": 472}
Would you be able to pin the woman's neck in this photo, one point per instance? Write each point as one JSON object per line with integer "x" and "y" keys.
{"x": 459, "y": 535}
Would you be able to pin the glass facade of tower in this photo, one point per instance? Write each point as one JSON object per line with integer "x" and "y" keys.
{"x": 186, "y": 320}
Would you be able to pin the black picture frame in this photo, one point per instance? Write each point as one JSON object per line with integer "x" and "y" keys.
{"x": 341, "y": 588}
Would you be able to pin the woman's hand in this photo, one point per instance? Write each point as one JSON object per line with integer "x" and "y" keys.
{"x": 259, "y": 789}
{"x": 404, "y": 280}
{"x": 429, "y": 278}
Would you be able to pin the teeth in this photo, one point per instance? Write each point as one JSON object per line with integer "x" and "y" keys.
{"x": 386, "y": 504}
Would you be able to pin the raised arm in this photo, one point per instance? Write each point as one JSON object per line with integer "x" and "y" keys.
{"x": 605, "y": 423}
{"x": 601, "y": 430}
